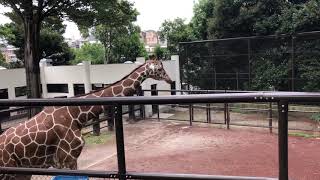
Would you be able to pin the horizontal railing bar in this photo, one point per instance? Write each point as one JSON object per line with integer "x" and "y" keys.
{"x": 55, "y": 172}
{"x": 219, "y": 91}
{"x": 255, "y": 37}
{"x": 180, "y": 99}
{"x": 156, "y": 176}
{"x": 14, "y": 109}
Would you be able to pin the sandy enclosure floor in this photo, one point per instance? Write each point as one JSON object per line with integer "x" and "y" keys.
{"x": 174, "y": 147}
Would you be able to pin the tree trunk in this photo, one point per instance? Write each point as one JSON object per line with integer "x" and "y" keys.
{"x": 31, "y": 60}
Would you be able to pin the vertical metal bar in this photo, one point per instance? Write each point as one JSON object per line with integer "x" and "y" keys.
{"x": 270, "y": 117}
{"x": 292, "y": 63}
{"x": 215, "y": 78}
{"x": 190, "y": 115}
{"x": 96, "y": 127}
{"x": 209, "y": 113}
{"x": 283, "y": 140}
{"x": 237, "y": 79}
{"x": 207, "y": 110}
{"x": 225, "y": 113}
{"x": 228, "y": 117}
{"x": 109, "y": 114}
{"x": 158, "y": 112}
{"x": 249, "y": 63}
{"x": 120, "y": 144}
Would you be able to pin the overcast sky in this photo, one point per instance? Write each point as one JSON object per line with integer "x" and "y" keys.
{"x": 152, "y": 14}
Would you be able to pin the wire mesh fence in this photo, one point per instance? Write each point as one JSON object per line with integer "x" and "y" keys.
{"x": 279, "y": 62}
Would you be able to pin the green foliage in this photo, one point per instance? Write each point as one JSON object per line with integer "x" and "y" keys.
{"x": 316, "y": 117}
{"x": 94, "y": 140}
{"x": 117, "y": 31}
{"x": 52, "y": 43}
{"x": 302, "y": 134}
{"x": 127, "y": 45}
{"x": 160, "y": 52}
{"x": 270, "y": 58}
{"x": 174, "y": 32}
{"x": 2, "y": 59}
{"x": 89, "y": 52}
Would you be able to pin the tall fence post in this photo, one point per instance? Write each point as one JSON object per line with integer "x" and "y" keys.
{"x": 109, "y": 114}
{"x": 132, "y": 115}
{"x": 120, "y": 144}
{"x": 283, "y": 140}
{"x": 270, "y": 117}
{"x": 228, "y": 117}
{"x": 208, "y": 113}
{"x": 96, "y": 127}
{"x": 225, "y": 113}
{"x": 140, "y": 92}
{"x": 190, "y": 114}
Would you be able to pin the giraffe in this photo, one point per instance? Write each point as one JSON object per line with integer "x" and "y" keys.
{"x": 53, "y": 138}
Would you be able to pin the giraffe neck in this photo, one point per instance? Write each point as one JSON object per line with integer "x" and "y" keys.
{"x": 127, "y": 86}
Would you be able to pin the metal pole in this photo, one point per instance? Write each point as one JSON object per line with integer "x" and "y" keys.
{"x": 215, "y": 78}
{"x": 292, "y": 63}
{"x": 228, "y": 117}
{"x": 270, "y": 117}
{"x": 158, "y": 112}
{"x": 249, "y": 63}
{"x": 190, "y": 114}
{"x": 207, "y": 110}
{"x": 225, "y": 113}
{"x": 209, "y": 113}
{"x": 120, "y": 144}
{"x": 283, "y": 140}
{"x": 237, "y": 77}
{"x": 96, "y": 127}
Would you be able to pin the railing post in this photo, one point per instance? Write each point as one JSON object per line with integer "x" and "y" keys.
{"x": 270, "y": 117}
{"x": 283, "y": 140}
{"x": 207, "y": 110}
{"x": 225, "y": 113}
{"x": 228, "y": 116}
{"x": 190, "y": 114}
{"x": 120, "y": 144}
{"x": 158, "y": 112}
{"x": 132, "y": 115}
{"x": 96, "y": 126}
{"x": 109, "y": 113}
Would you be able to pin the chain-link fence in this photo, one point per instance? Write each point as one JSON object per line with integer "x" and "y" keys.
{"x": 277, "y": 62}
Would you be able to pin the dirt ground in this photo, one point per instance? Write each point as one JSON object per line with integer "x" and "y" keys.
{"x": 174, "y": 147}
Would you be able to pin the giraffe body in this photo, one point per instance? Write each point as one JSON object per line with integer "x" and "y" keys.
{"x": 53, "y": 137}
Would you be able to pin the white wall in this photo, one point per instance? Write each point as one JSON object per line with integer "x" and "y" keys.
{"x": 9, "y": 79}
{"x": 99, "y": 74}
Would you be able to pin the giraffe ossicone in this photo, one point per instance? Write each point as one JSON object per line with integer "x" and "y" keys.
{"x": 53, "y": 137}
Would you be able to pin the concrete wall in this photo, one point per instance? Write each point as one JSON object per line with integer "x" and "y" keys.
{"x": 86, "y": 74}
{"x": 82, "y": 74}
{"x": 9, "y": 79}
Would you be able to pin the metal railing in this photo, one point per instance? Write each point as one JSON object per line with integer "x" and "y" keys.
{"x": 228, "y": 108}
{"x": 282, "y": 99}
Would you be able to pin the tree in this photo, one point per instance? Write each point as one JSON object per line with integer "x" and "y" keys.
{"x": 108, "y": 30}
{"x": 33, "y": 13}
{"x": 89, "y": 52}
{"x": 174, "y": 32}
{"x": 160, "y": 52}
{"x": 127, "y": 45}
{"x": 202, "y": 12}
{"x": 52, "y": 43}
{"x": 2, "y": 59}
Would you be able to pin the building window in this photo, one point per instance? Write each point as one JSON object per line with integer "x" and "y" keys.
{"x": 20, "y": 91}
{"x": 57, "y": 88}
{"x": 78, "y": 89}
{"x": 97, "y": 86}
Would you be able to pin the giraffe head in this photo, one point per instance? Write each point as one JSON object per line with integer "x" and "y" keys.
{"x": 155, "y": 70}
